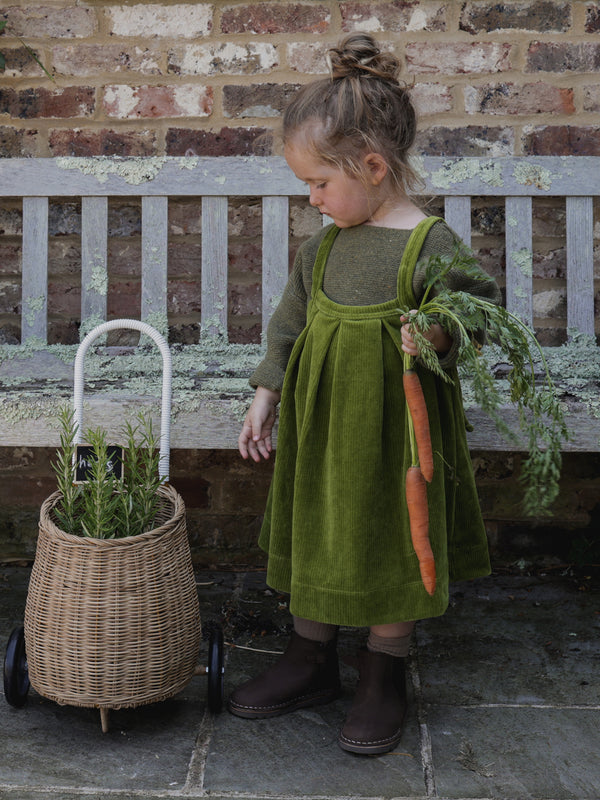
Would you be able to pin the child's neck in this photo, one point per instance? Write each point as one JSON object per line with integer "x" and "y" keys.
{"x": 397, "y": 212}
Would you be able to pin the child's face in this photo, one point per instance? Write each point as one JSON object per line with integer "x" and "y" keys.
{"x": 347, "y": 200}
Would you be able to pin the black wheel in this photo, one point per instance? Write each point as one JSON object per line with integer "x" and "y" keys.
{"x": 16, "y": 674}
{"x": 215, "y": 670}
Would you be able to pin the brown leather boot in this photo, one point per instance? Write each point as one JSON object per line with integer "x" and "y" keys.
{"x": 307, "y": 674}
{"x": 374, "y": 723}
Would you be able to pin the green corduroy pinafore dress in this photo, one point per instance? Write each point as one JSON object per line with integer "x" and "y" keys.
{"x": 336, "y": 526}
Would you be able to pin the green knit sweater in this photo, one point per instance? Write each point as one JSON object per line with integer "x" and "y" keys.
{"x": 362, "y": 269}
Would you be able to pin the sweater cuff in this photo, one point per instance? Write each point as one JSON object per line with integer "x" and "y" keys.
{"x": 267, "y": 375}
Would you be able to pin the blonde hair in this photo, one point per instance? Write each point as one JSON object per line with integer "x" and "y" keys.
{"x": 360, "y": 108}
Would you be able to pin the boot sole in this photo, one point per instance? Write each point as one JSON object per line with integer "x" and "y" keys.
{"x": 369, "y": 748}
{"x": 283, "y": 708}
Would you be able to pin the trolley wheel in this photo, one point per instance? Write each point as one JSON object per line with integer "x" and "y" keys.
{"x": 215, "y": 670}
{"x": 16, "y": 674}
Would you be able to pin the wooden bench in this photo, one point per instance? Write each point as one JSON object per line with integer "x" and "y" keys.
{"x": 210, "y": 391}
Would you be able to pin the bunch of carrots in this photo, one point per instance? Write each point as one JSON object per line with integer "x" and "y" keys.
{"x": 419, "y": 474}
{"x": 541, "y": 416}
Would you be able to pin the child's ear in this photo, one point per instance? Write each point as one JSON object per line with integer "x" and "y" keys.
{"x": 376, "y": 167}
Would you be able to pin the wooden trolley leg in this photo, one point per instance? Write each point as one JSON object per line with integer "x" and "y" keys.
{"x": 104, "y": 714}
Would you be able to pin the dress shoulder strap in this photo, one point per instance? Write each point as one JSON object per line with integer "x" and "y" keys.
{"x": 406, "y": 296}
{"x": 321, "y": 258}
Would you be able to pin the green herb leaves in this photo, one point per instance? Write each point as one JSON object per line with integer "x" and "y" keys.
{"x": 104, "y": 506}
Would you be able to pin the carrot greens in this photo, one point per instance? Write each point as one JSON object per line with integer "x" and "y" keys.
{"x": 469, "y": 319}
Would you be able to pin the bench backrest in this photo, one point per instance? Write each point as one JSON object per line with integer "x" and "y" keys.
{"x": 156, "y": 179}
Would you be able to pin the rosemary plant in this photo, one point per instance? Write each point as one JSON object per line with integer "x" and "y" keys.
{"x": 104, "y": 506}
{"x": 466, "y": 317}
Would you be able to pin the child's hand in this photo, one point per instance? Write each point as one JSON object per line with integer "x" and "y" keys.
{"x": 439, "y": 338}
{"x": 255, "y": 438}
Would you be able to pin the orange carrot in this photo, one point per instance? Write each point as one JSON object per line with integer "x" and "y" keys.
{"x": 417, "y": 407}
{"x": 418, "y": 514}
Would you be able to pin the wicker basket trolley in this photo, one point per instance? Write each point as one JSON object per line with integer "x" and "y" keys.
{"x": 113, "y": 623}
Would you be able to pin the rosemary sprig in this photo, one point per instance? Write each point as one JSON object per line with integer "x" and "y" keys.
{"x": 104, "y": 506}
{"x": 466, "y": 317}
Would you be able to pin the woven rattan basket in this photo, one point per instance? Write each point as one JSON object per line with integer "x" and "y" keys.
{"x": 113, "y": 623}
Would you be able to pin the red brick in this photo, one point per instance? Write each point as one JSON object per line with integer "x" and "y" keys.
{"x": 184, "y": 218}
{"x": 10, "y": 297}
{"x": 20, "y": 64}
{"x": 562, "y": 140}
{"x": 308, "y": 58}
{"x": 467, "y": 140}
{"x": 563, "y": 57}
{"x": 67, "y": 103}
{"x": 431, "y": 98}
{"x": 257, "y": 99}
{"x": 226, "y": 142}
{"x": 44, "y": 22}
{"x": 183, "y": 297}
{"x": 510, "y": 98}
{"x": 17, "y": 143}
{"x": 64, "y": 299}
{"x": 458, "y": 57}
{"x": 150, "y": 20}
{"x": 245, "y": 300}
{"x": 276, "y": 18}
{"x": 540, "y": 15}
{"x": 225, "y": 58}
{"x": 592, "y": 18}
{"x": 395, "y": 16}
{"x": 185, "y": 259}
{"x": 131, "y": 102}
{"x": 92, "y": 59}
{"x": 123, "y": 299}
{"x": 245, "y": 257}
{"x": 105, "y": 142}
{"x": 591, "y": 98}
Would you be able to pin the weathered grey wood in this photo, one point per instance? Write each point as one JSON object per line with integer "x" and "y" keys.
{"x": 214, "y": 266}
{"x": 457, "y": 213}
{"x": 94, "y": 266}
{"x": 580, "y": 264}
{"x": 547, "y": 176}
{"x": 34, "y": 291}
{"x": 215, "y": 424}
{"x": 275, "y": 253}
{"x": 155, "y": 236}
{"x": 519, "y": 258}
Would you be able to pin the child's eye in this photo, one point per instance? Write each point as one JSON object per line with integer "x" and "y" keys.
{"x": 321, "y": 185}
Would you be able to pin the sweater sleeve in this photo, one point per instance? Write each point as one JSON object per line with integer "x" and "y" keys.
{"x": 442, "y": 240}
{"x": 288, "y": 319}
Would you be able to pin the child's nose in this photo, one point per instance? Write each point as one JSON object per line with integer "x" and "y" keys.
{"x": 315, "y": 196}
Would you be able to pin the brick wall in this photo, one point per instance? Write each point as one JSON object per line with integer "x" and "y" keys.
{"x": 170, "y": 78}
{"x": 176, "y": 78}
{"x": 173, "y": 78}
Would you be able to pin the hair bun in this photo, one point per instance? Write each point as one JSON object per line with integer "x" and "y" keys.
{"x": 358, "y": 55}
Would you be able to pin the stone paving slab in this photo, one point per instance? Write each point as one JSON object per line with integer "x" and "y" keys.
{"x": 524, "y": 753}
{"x": 506, "y": 704}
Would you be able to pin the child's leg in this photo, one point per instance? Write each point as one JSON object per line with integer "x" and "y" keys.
{"x": 374, "y": 723}
{"x": 307, "y": 674}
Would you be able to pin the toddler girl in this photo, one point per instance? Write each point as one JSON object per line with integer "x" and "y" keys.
{"x": 336, "y": 526}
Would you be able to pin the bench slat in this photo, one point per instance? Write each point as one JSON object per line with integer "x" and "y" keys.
{"x": 457, "y": 213}
{"x": 155, "y": 234}
{"x": 34, "y": 291}
{"x": 519, "y": 258}
{"x": 214, "y": 266}
{"x": 275, "y": 254}
{"x": 94, "y": 258}
{"x": 536, "y": 176}
{"x": 580, "y": 264}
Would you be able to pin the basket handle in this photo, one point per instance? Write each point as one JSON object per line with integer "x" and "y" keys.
{"x": 165, "y": 418}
